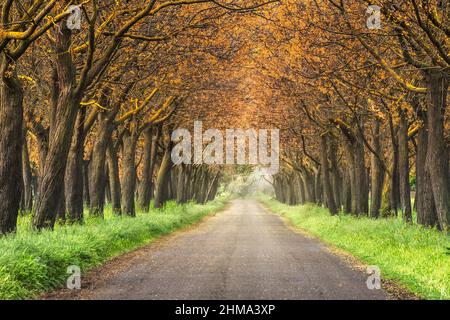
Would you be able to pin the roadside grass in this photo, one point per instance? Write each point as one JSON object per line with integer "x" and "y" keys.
{"x": 33, "y": 262}
{"x": 412, "y": 255}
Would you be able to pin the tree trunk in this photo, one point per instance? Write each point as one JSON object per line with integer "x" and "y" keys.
{"x": 394, "y": 188}
{"x": 301, "y": 189}
{"x": 204, "y": 186}
{"x": 11, "y": 96}
{"x": 354, "y": 193}
{"x": 377, "y": 174}
{"x": 187, "y": 179}
{"x": 362, "y": 193}
{"x": 61, "y": 213}
{"x": 291, "y": 189}
{"x": 162, "y": 179}
{"x": 326, "y": 182}
{"x": 86, "y": 198}
{"x": 27, "y": 177}
{"x": 347, "y": 192}
{"x": 73, "y": 179}
{"x": 318, "y": 186}
{"x": 354, "y": 148}
{"x": 128, "y": 182}
{"x": 180, "y": 181}
{"x": 114, "y": 179}
{"x": 426, "y": 209}
{"x": 403, "y": 165}
{"x": 213, "y": 193}
{"x": 146, "y": 185}
{"x": 308, "y": 180}
{"x": 42, "y": 145}
{"x": 107, "y": 188}
{"x": 335, "y": 174}
{"x": 437, "y": 152}
{"x": 52, "y": 180}
{"x": 277, "y": 188}
{"x": 171, "y": 192}
{"x": 97, "y": 169}
{"x": 211, "y": 186}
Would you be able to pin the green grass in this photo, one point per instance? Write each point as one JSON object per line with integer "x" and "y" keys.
{"x": 412, "y": 255}
{"x": 35, "y": 262}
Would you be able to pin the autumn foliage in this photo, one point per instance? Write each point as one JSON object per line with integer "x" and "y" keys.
{"x": 86, "y": 113}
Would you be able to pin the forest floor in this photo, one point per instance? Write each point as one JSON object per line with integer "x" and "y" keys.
{"x": 244, "y": 252}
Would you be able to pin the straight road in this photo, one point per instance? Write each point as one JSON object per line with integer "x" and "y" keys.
{"x": 244, "y": 252}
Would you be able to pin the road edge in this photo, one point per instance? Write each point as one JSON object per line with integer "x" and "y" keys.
{"x": 394, "y": 289}
{"x": 100, "y": 274}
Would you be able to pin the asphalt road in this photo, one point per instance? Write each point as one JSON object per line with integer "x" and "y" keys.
{"x": 244, "y": 252}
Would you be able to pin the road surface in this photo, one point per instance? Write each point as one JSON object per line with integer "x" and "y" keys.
{"x": 244, "y": 252}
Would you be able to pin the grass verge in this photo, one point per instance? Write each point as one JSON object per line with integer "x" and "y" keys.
{"x": 412, "y": 255}
{"x": 35, "y": 262}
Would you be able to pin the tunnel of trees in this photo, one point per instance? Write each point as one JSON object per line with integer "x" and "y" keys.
{"x": 87, "y": 111}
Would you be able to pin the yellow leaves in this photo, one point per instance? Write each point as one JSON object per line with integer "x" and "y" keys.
{"x": 414, "y": 129}
{"x": 27, "y": 78}
{"x": 94, "y": 104}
